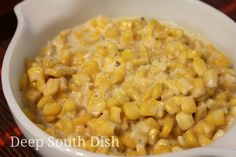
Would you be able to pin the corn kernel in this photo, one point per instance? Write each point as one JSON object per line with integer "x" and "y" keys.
{"x": 204, "y": 127}
{"x": 51, "y": 87}
{"x": 190, "y": 138}
{"x": 117, "y": 76}
{"x": 184, "y": 85}
{"x": 184, "y": 120}
{"x": 217, "y": 117}
{"x": 81, "y": 120}
{"x": 70, "y": 105}
{"x": 81, "y": 78}
{"x": 203, "y": 140}
{"x": 167, "y": 127}
{"x": 157, "y": 91}
{"x": 171, "y": 106}
{"x": 115, "y": 114}
{"x": 199, "y": 88}
{"x": 91, "y": 68}
{"x": 188, "y": 105}
{"x": 149, "y": 108}
{"x": 161, "y": 149}
{"x": 128, "y": 54}
{"x": 96, "y": 106}
{"x": 51, "y": 109}
{"x": 131, "y": 111}
{"x": 129, "y": 141}
{"x": 111, "y": 32}
{"x": 102, "y": 127}
{"x": 172, "y": 85}
{"x": 211, "y": 78}
{"x": 199, "y": 66}
{"x": 36, "y": 73}
{"x": 44, "y": 100}
{"x": 67, "y": 125}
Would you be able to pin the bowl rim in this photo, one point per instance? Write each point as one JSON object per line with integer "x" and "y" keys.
{"x": 18, "y": 114}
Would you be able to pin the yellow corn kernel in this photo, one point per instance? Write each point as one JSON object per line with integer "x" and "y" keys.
{"x": 67, "y": 125}
{"x": 161, "y": 149}
{"x": 53, "y": 72}
{"x": 81, "y": 78}
{"x": 111, "y": 32}
{"x": 193, "y": 54}
{"x": 91, "y": 68}
{"x": 171, "y": 106}
{"x": 115, "y": 114}
{"x": 78, "y": 58}
{"x": 141, "y": 150}
{"x": 147, "y": 95}
{"x": 176, "y": 149}
{"x": 102, "y": 127}
{"x": 102, "y": 50}
{"x": 184, "y": 85}
{"x": 102, "y": 150}
{"x": 32, "y": 96}
{"x": 171, "y": 84}
{"x": 199, "y": 88}
{"x": 51, "y": 109}
{"x": 89, "y": 145}
{"x": 127, "y": 36}
{"x": 143, "y": 126}
{"x": 140, "y": 61}
{"x": 232, "y": 101}
{"x": 128, "y": 54}
{"x": 129, "y": 141}
{"x": 112, "y": 101}
{"x": 44, "y": 100}
{"x": 70, "y": 105}
{"x": 157, "y": 91}
{"x": 190, "y": 138}
{"x": 221, "y": 61}
{"x": 65, "y": 57}
{"x": 132, "y": 93}
{"x": 199, "y": 66}
{"x": 102, "y": 83}
{"x": 201, "y": 111}
{"x": 217, "y": 117}
{"x": 152, "y": 123}
{"x": 49, "y": 118}
{"x": 100, "y": 22}
{"x": 117, "y": 76}
{"x": 131, "y": 111}
{"x": 36, "y": 73}
{"x": 96, "y": 106}
{"x": 232, "y": 111}
{"x": 203, "y": 140}
{"x": 184, "y": 120}
{"x": 188, "y": 105}
{"x": 140, "y": 136}
{"x": 203, "y": 127}
{"x": 149, "y": 108}
{"x": 51, "y": 87}
{"x": 81, "y": 120}
{"x": 167, "y": 127}
{"x": 211, "y": 78}
{"x": 153, "y": 136}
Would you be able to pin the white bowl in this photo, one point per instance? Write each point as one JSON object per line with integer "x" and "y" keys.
{"x": 39, "y": 21}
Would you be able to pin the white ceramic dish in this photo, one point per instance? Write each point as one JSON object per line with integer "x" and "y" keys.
{"x": 39, "y": 21}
